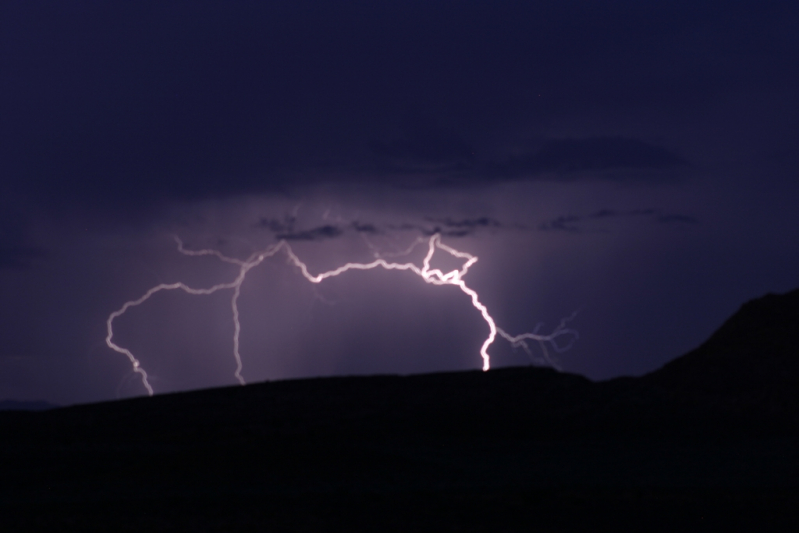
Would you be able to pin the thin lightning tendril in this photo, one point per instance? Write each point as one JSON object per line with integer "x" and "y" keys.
{"x": 430, "y": 275}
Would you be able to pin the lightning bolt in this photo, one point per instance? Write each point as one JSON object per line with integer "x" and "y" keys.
{"x": 430, "y": 275}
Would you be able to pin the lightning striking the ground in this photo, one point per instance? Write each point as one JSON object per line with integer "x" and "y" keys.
{"x": 430, "y": 275}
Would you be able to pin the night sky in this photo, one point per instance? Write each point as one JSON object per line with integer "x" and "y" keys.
{"x": 634, "y": 162}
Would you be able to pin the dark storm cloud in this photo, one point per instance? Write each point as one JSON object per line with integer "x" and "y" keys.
{"x": 285, "y": 229}
{"x": 447, "y": 227}
{"x": 361, "y": 227}
{"x": 562, "y": 223}
{"x": 569, "y": 156}
{"x": 464, "y": 227}
{"x": 424, "y": 148}
{"x": 467, "y": 223}
{"x": 131, "y": 104}
{"x": 436, "y": 229}
{"x": 315, "y": 234}
{"x": 455, "y": 163}
{"x": 578, "y": 223}
{"x": 277, "y": 225}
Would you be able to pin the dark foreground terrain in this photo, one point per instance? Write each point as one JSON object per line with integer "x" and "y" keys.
{"x": 709, "y": 442}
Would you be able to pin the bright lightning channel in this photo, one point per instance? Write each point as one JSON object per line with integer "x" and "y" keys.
{"x": 430, "y": 275}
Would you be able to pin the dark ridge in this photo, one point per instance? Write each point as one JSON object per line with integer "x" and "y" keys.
{"x": 15, "y": 405}
{"x": 701, "y": 444}
{"x": 753, "y": 357}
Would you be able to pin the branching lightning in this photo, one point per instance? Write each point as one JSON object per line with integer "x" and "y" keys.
{"x": 430, "y": 275}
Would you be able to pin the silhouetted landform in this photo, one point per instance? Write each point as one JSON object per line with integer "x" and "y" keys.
{"x": 15, "y": 405}
{"x": 753, "y": 358}
{"x": 708, "y": 441}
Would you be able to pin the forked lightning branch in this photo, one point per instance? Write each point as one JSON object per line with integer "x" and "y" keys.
{"x": 432, "y": 276}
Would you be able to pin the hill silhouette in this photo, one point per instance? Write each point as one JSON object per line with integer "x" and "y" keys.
{"x": 753, "y": 357}
{"x": 16, "y": 405}
{"x": 709, "y": 439}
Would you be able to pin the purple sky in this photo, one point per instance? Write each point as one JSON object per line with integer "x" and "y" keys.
{"x": 635, "y": 162}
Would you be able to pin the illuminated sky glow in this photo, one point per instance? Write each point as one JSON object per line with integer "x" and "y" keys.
{"x": 430, "y": 275}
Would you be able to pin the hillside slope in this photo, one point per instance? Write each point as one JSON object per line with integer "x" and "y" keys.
{"x": 753, "y": 358}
